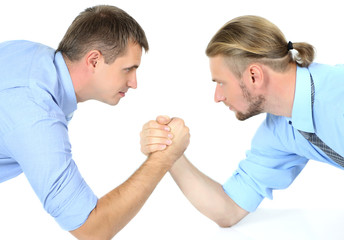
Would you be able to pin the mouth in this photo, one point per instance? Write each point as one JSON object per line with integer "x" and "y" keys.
{"x": 122, "y": 93}
{"x": 229, "y": 106}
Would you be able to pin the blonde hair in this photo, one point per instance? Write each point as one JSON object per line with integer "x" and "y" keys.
{"x": 249, "y": 39}
{"x": 104, "y": 28}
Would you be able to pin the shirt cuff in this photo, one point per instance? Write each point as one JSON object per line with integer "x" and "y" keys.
{"x": 77, "y": 213}
{"x": 242, "y": 193}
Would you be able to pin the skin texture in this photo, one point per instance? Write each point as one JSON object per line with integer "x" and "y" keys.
{"x": 94, "y": 79}
{"x": 259, "y": 90}
{"x": 214, "y": 203}
{"x": 118, "y": 207}
{"x": 233, "y": 92}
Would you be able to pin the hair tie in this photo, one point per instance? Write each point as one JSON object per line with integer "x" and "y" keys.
{"x": 290, "y": 45}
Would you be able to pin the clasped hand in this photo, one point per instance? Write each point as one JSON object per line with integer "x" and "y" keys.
{"x": 168, "y": 137}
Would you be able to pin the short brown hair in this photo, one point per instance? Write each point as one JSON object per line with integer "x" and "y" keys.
{"x": 248, "y": 39}
{"x": 104, "y": 28}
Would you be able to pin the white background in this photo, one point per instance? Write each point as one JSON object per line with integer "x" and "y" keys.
{"x": 174, "y": 79}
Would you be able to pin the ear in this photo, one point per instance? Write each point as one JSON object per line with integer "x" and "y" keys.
{"x": 93, "y": 58}
{"x": 256, "y": 76}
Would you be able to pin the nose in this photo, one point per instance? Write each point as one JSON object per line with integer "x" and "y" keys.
{"x": 219, "y": 96}
{"x": 132, "y": 82}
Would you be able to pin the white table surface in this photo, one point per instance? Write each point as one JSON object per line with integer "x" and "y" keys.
{"x": 306, "y": 210}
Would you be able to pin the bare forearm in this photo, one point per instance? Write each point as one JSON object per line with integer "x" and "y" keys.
{"x": 206, "y": 194}
{"x": 118, "y": 207}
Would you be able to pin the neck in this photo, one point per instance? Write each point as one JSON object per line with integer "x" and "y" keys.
{"x": 281, "y": 91}
{"x": 78, "y": 76}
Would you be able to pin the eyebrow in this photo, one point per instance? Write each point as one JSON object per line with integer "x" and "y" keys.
{"x": 131, "y": 67}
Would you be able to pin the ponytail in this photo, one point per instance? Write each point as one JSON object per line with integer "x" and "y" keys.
{"x": 248, "y": 39}
{"x": 304, "y": 55}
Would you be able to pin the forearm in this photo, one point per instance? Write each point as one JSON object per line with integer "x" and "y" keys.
{"x": 206, "y": 194}
{"x": 118, "y": 207}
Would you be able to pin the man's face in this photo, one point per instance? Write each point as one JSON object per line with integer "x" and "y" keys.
{"x": 232, "y": 91}
{"x": 112, "y": 81}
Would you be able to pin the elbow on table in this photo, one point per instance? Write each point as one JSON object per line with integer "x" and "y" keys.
{"x": 98, "y": 233}
{"x": 226, "y": 222}
{"x": 91, "y": 236}
{"x": 230, "y": 218}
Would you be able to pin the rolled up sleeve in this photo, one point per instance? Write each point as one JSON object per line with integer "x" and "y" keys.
{"x": 269, "y": 165}
{"x": 43, "y": 151}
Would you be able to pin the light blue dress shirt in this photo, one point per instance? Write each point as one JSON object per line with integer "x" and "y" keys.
{"x": 36, "y": 99}
{"x": 278, "y": 151}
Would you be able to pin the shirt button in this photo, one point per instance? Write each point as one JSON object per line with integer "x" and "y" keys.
{"x": 290, "y": 122}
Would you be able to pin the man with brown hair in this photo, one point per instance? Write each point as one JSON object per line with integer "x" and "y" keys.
{"x": 39, "y": 91}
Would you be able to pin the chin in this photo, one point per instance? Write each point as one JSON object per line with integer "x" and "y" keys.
{"x": 242, "y": 117}
{"x": 112, "y": 102}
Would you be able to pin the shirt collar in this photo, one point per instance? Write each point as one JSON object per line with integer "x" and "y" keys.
{"x": 302, "y": 116}
{"x": 68, "y": 102}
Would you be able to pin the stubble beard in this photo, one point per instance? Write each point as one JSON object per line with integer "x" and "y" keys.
{"x": 255, "y": 106}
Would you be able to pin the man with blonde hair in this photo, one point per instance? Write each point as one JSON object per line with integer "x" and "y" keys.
{"x": 39, "y": 91}
{"x": 256, "y": 70}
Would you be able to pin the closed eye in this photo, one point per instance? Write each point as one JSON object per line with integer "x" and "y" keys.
{"x": 218, "y": 82}
{"x": 128, "y": 69}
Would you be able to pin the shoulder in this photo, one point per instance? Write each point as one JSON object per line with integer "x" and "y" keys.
{"x": 21, "y": 51}
{"x": 22, "y": 59}
{"x": 19, "y": 48}
{"x": 329, "y": 85}
{"x": 321, "y": 73}
{"x": 328, "y": 111}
